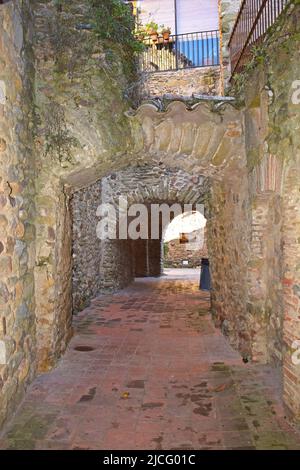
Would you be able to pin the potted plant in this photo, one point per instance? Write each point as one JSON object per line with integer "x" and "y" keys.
{"x": 152, "y": 30}
{"x": 141, "y": 34}
{"x": 165, "y": 31}
{"x": 140, "y": 31}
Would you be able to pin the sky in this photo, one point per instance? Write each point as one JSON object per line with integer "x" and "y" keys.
{"x": 184, "y": 223}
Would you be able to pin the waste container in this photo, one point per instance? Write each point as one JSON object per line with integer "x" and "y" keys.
{"x": 205, "y": 274}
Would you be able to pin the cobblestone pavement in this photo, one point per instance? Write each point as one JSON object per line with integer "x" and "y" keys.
{"x": 146, "y": 369}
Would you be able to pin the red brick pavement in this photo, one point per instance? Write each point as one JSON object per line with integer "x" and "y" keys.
{"x": 158, "y": 375}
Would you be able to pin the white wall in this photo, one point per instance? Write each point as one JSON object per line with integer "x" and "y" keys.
{"x": 197, "y": 15}
{"x": 159, "y": 11}
{"x": 192, "y": 15}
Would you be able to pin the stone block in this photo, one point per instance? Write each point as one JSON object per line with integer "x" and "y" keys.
{"x": 3, "y": 358}
{"x": 2, "y": 145}
{"x": 2, "y": 92}
{"x": 5, "y": 265}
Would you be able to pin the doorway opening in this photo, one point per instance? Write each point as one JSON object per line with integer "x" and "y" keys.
{"x": 120, "y": 222}
{"x": 185, "y": 243}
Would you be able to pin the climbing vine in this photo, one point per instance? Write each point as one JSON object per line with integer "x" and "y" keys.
{"x": 113, "y": 20}
{"x": 113, "y": 23}
{"x": 58, "y": 140}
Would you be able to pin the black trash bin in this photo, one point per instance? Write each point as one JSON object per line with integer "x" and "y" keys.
{"x": 205, "y": 274}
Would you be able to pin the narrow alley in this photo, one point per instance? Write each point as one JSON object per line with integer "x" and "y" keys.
{"x": 145, "y": 146}
{"x": 146, "y": 369}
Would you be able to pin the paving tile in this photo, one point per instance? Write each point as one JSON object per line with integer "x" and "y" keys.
{"x": 159, "y": 376}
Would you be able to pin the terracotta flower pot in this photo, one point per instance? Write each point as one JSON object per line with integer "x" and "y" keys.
{"x": 154, "y": 36}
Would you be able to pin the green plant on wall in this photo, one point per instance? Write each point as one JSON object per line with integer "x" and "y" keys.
{"x": 113, "y": 20}
{"x": 114, "y": 25}
{"x": 258, "y": 56}
{"x": 58, "y": 140}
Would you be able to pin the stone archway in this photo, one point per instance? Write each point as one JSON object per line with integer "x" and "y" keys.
{"x": 204, "y": 142}
{"x": 109, "y": 265}
{"x": 217, "y": 154}
{"x": 65, "y": 125}
{"x": 201, "y": 139}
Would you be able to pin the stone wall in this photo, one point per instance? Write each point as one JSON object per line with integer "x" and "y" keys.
{"x": 56, "y": 84}
{"x": 283, "y": 143}
{"x": 264, "y": 303}
{"x": 228, "y": 13}
{"x": 109, "y": 265}
{"x": 80, "y": 129}
{"x": 63, "y": 127}
{"x": 17, "y": 207}
{"x": 198, "y": 140}
{"x": 269, "y": 89}
{"x": 87, "y": 251}
{"x": 183, "y": 82}
{"x": 175, "y": 253}
{"x": 228, "y": 249}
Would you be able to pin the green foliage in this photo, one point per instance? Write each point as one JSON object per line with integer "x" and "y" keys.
{"x": 59, "y": 142}
{"x": 258, "y": 56}
{"x": 113, "y": 23}
{"x": 166, "y": 249}
{"x": 151, "y": 27}
{"x": 113, "y": 20}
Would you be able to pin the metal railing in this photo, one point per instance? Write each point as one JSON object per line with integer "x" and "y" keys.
{"x": 254, "y": 19}
{"x": 181, "y": 51}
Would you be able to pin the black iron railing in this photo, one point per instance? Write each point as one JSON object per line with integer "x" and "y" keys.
{"x": 254, "y": 19}
{"x": 181, "y": 51}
